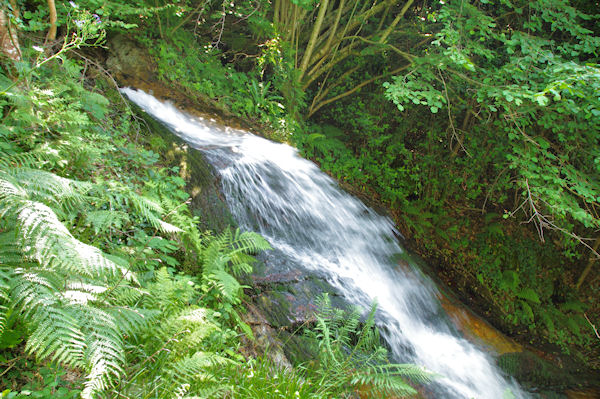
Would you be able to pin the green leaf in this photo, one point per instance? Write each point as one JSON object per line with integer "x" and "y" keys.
{"x": 529, "y": 294}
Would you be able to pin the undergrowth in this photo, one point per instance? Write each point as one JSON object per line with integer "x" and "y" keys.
{"x": 95, "y": 229}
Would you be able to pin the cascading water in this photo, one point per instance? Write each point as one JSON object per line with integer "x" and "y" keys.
{"x": 313, "y": 224}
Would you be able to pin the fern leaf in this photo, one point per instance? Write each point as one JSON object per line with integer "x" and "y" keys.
{"x": 4, "y": 298}
{"x": 104, "y": 349}
{"x": 132, "y": 320}
{"x": 149, "y": 208}
{"x": 195, "y": 367}
{"x": 45, "y": 239}
{"x": 101, "y": 221}
{"x": 227, "y": 285}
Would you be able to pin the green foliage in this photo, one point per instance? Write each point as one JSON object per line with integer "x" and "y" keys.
{"x": 351, "y": 356}
{"x": 350, "y": 359}
{"x": 536, "y": 94}
{"x": 60, "y": 285}
{"x": 496, "y": 148}
{"x": 43, "y": 382}
{"x": 264, "y": 93}
{"x": 82, "y": 281}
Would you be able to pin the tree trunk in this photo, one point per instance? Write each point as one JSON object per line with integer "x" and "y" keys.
{"x": 313, "y": 37}
{"x": 9, "y": 42}
{"x": 588, "y": 268}
{"x": 51, "y": 36}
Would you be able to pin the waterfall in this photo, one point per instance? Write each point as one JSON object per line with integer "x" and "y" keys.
{"x": 314, "y": 225}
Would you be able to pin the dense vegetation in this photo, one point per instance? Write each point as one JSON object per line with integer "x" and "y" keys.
{"x": 107, "y": 286}
{"x": 475, "y": 123}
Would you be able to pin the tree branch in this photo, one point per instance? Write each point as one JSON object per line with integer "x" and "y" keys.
{"x": 353, "y": 90}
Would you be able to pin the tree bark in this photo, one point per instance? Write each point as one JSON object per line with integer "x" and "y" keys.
{"x": 313, "y": 37}
{"x": 588, "y": 268}
{"x": 9, "y": 41}
{"x": 51, "y": 36}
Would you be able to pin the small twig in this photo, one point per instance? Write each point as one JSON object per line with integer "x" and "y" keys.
{"x": 199, "y": 9}
{"x": 249, "y": 15}
{"x": 592, "y": 325}
{"x": 489, "y": 192}
{"x": 114, "y": 82}
{"x": 454, "y": 134}
{"x": 222, "y": 22}
{"x": 8, "y": 368}
{"x": 186, "y": 202}
{"x": 544, "y": 221}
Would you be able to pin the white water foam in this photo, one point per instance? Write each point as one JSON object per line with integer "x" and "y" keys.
{"x": 311, "y": 222}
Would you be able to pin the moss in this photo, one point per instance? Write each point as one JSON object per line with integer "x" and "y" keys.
{"x": 534, "y": 371}
{"x": 201, "y": 181}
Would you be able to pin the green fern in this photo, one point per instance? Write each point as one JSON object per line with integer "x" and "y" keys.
{"x": 4, "y": 297}
{"x": 229, "y": 255}
{"x": 118, "y": 196}
{"x": 173, "y": 355}
{"x": 351, "y": 356}
{"x": 60, "y": 285}
{"x": 103, "y": 220}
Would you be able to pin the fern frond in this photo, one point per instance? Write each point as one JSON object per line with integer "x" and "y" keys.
{"x": 9, "y": 188}
{"x": 10, "y": 251}
{"x": 30, "y": 159}
{"x": 132, "y": 320}
{"x": 390, "y": 378}
{"x": 237, "y": 245}
{"x": 196, "y": 367}
{"x": 48, "y": 187}
{"x": 44, "y": 238}
{"x": 104, "y": 353}
{"x": 55, "y": 332}
{"x": 149, "y": 208}
{"x": 65, "y": 195}
{"x": 4, "y": 297}
{"x": 198, "y": 326}
{"x": 101, "y": 221}
{"x": 382, "y": 384}
{"x": 227, "y": 285}
{"x": 169, "y": 294}
{"x": 413, "y": 372}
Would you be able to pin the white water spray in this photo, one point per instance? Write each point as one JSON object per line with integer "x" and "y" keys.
{"x": 315, "y": 225}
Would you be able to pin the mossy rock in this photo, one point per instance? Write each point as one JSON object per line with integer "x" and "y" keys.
{"x": 533, "y": 371}
{"x": 200, "y": 177}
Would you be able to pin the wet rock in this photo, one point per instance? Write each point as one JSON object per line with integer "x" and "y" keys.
{"x": 129, "y": 61}
{"x": 533, "y": 371}
{"x": 477, "y": 329}
{"x": 287, "y": 296}
{"x": 588, "y": 394}
{"x": 266, "y": 338}
{"x": 200, "y": 177}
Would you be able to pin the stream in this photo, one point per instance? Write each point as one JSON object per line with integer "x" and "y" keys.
{"x": 314, "y": 226}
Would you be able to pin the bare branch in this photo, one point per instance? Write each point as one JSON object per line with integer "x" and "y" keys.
{"x": 593, "y": 326}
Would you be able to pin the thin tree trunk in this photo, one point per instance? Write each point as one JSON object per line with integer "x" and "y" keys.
{"x": 51, "y": 36}
{"x": 355, "y": 22}
{"x": 9, "y": 41}
{"x": 392, "y": 26}
{"x": 276, "y": 9}
{"x": 335, "y": 26}
{"x": 313, "y": 37}
{"x": 593, "y": 257}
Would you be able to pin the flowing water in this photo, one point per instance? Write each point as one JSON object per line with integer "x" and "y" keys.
{"x": 314, "y": 225}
